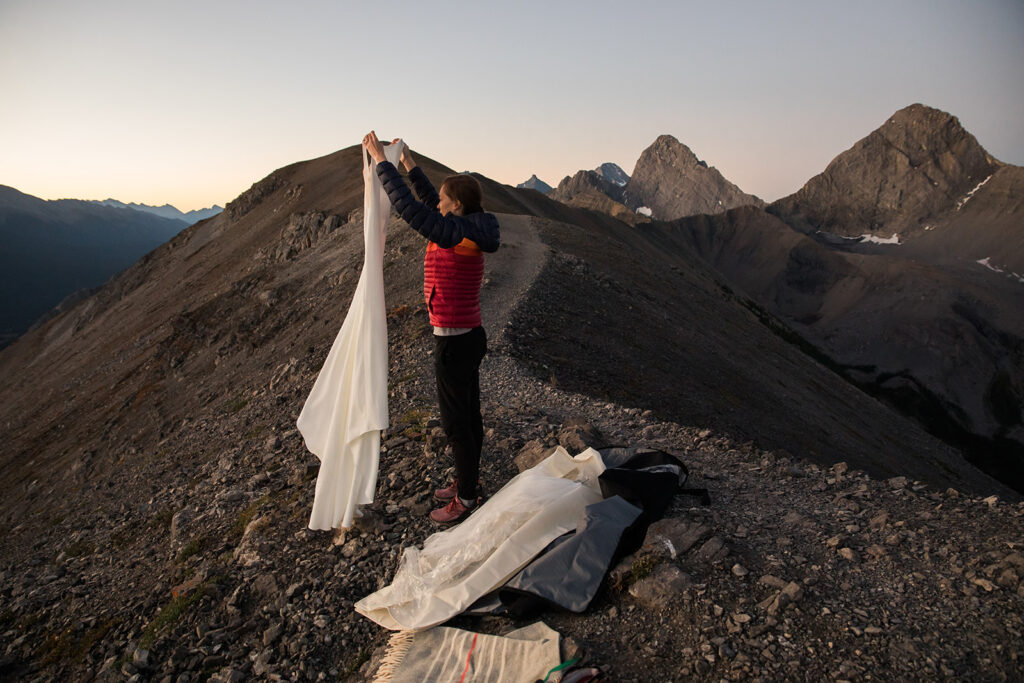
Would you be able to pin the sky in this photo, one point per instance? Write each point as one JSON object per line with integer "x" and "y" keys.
{"x": 190, "y": 103}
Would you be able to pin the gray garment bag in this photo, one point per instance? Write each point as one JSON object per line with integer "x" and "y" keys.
{"x": 569, "y": 572}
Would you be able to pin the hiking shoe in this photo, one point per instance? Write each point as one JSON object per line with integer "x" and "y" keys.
{"x": 452, "y": 513}
{"x": 448, "y": 492}
{"x": 452, "y": 490}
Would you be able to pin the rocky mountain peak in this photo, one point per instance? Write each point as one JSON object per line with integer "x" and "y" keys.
{"x": 916, "y": 165}
{"x": 672, "y": 182}
{"x": 613, "y": 173}
{"x": 535, "y": 183}
{"x": 584, "y": 181}
{"x": 668, "y": 149}
{"x": 593, "y": 190}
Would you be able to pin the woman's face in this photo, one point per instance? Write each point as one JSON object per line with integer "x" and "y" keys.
{"x": 447, "y": 205}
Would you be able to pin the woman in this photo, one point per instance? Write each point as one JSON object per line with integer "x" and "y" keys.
{"x": 459, "y": 232}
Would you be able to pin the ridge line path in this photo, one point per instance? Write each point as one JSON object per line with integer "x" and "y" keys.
{"x": 510, "y": 272}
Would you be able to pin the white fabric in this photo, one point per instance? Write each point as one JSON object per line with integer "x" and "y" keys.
{"x": 457, "y": 566}
{"x": 441, "y": 655}
{"x": 450, "y": 331}
{"x": 348, "y": 405}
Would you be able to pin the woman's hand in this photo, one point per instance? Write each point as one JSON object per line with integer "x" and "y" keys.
{"x": 407, "y": 159}
{"x": 373, "y": 147}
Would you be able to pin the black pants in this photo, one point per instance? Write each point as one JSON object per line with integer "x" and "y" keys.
{"x": 457, "y": 367}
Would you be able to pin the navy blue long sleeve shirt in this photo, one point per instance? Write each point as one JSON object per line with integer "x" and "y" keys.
{"x": 424, "y": 217}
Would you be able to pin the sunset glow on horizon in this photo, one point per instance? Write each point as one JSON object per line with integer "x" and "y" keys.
{"x": 191, "y": 103}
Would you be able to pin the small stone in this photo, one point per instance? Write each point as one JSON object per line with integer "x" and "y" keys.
{"x": 227, "y": 675}
{"x": 793, "y": 591}
{"x": 739, "y": 570}
{"x": 109, "y": 664}
{"x": 673, "y": 536}
{"x": 876, "y": 551}
{"x": 258, "y": 480}
{"x": 1008, "y": 578}
{"x": 878, "y": 522}
{"x": 570, "y": 649}
{"x": 771, "y": 581}
{"x": 990, "y": 501}
{"x": 849, "y": 555}
{"x": 231, "y": 496}
{"x": 984, "y": 583}
{"x": 1015, "y": 559}
{"x": 266, "y": 585}
{"x": 792, "y": 518}
{"x": 179, "y": 521}
{"x": 665, "y": 585}
{"x": 834, "y": 541}
{"x": 712, "y": 550}
{"x": 840, "y": 468}
{"x": 898, "y": 483}
{"x": 262, "y": 663}
{"x": 531, "y": 454}
{"x": 578, "y": 435}
{"x": 320, "y": 621}
{"x": 741, "y": 618}
{"x": 272, "y": 634}
{"x": 140, "y": 659}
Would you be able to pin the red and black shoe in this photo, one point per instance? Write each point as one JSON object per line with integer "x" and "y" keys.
{"x": 454, "y": 512}
{"x": 452, "y": 490}
{"x": 448, "y": 492}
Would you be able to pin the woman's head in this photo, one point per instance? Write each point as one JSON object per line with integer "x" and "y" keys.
{"x": 461, "y": 195}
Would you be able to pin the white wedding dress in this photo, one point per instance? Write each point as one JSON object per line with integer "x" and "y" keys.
{"x": 348, "y": 405}
{"x": 457, "y": 566}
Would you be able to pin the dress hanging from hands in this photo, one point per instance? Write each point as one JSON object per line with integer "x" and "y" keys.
{"x": 348, "y": 405}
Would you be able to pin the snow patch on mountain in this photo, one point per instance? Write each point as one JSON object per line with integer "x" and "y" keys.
{"x": 895, "y": 239}
{"x": 970, "y": 194}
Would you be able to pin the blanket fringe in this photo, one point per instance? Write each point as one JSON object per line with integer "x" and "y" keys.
{"x": 398, "y": 646}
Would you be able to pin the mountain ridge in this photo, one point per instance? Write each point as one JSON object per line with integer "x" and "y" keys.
{"x": 55, "y": 248}
{"x": 166, "y": 210}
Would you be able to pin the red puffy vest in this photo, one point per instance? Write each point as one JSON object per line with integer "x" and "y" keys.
{"x": 451, "y": 284}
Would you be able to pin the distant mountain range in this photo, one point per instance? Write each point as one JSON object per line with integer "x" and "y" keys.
{"x": 50, "y": 250}
{"x": 610, "y": 172}
{"x": 166, "y": 211}
{"x": 668, "y": 181}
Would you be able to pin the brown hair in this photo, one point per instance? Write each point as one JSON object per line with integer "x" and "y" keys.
{"x": 464, "y": 189}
